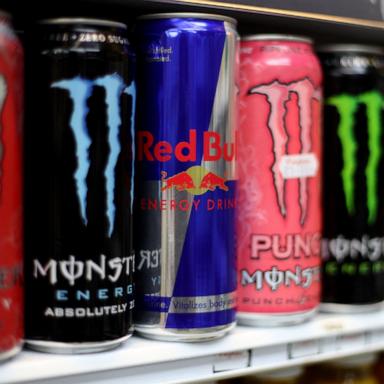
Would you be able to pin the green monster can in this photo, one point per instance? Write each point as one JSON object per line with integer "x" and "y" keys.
{"x": 353, "y": 246}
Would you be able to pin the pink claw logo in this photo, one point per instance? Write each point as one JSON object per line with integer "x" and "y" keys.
{"x": 277, "y": 95}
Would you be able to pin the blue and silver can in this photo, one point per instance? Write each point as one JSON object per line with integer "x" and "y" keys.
{"x": 185, "y": 176}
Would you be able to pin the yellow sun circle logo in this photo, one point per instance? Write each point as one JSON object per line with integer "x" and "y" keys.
{"x": 197, "y": 174}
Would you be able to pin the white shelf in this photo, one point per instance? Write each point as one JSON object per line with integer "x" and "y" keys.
{"x": 245, "y": 350}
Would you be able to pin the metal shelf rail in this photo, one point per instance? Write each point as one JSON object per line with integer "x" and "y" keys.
{"x": 362, "y": 12}
{"x": 245, "y": 350}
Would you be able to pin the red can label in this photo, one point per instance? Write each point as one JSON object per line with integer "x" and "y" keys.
{"x": 11, "y": 303}
{"x": 279, "y": 206}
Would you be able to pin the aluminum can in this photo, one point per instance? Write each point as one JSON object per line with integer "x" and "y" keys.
{"x": 11, "y": 202}
{"x": 185, "y": 189}
{"x": 79, "y": 251}
{"x": 279, "y": 192}
{"x": 353, "y": 247}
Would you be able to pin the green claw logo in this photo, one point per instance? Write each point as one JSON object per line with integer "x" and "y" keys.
{"x": 347, "y": 106}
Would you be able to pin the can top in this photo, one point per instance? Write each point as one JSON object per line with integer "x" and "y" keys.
{"x": 273, "y": 36}
{"x": 186, "y": 15}
{"x": 83, "y": 20}
{"x": 350, "y": 48}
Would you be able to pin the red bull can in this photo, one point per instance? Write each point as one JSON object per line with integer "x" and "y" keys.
{"x": 185, "y": 177}
{"x": 279, "y": 195}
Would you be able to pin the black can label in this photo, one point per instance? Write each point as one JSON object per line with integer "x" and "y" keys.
{"x": 80, "y": 258}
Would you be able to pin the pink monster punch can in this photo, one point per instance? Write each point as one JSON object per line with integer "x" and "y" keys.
{"x": 279, "y": 192}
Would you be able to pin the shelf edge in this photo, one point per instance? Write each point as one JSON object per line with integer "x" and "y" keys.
{"x": 281, "y": 12}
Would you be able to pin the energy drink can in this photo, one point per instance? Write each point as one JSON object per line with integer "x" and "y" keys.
{"x": 279, "y": 193}
{"x": 353, "y": 248}
{"x": 79, "y": 251}
{"x": 11, "y": 207}
{"x": 185, "y": 189}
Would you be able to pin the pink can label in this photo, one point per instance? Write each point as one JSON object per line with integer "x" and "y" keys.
{"x": 279, "y": 191}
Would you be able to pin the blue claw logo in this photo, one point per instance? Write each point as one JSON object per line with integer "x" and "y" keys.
{"x": 80, "y": 90}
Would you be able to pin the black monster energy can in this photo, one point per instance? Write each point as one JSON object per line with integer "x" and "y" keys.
{"x": 353, "y": 248}
{"x": 79, "y": 254}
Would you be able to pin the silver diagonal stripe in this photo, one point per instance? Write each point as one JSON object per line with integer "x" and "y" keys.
{"x": 223, "y": 116}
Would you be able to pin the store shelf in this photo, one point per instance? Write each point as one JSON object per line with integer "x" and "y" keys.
{"x": 359, "y": 21}
{"x": 245, "y": 350}
{"x": 371, "y": 10}
{"x": 346, "y": 11}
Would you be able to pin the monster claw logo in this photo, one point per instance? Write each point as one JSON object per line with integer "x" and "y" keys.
{"x": 195, "y": 180}
{"x": 347, "y": 106}
{"x": 131, "y": 91}
{"x": 3, "y": 94}
{"x": 80, "y": 90}
{"x": 278, "y": 94}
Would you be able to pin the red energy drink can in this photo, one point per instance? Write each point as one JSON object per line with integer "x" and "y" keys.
{"x": 279, "y": 194}
{"x": 11, "y": 212}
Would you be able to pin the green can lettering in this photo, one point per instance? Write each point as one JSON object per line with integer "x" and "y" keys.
{"x": 347, "y": 106}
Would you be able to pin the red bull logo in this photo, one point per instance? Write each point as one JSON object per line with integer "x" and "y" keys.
{"x": 196, "y": 180}
{"x": 212, "y": 181}
{"x": 184, "y": 151}
{"x": 181, "y": 181}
